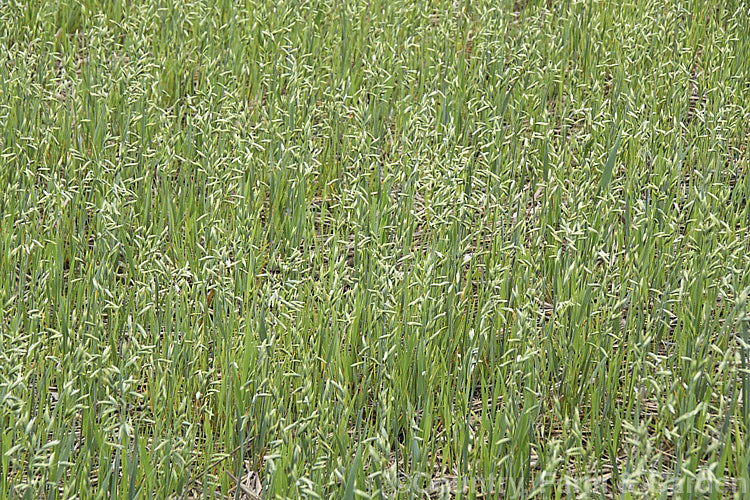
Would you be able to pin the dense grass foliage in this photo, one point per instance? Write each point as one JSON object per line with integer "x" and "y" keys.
{"x": 378, "y": 248}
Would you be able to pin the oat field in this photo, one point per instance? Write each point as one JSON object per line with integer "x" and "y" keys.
{"x": 374, "y": 249}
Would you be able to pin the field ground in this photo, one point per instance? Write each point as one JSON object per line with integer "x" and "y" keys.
{"x": 383, "y": 248}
